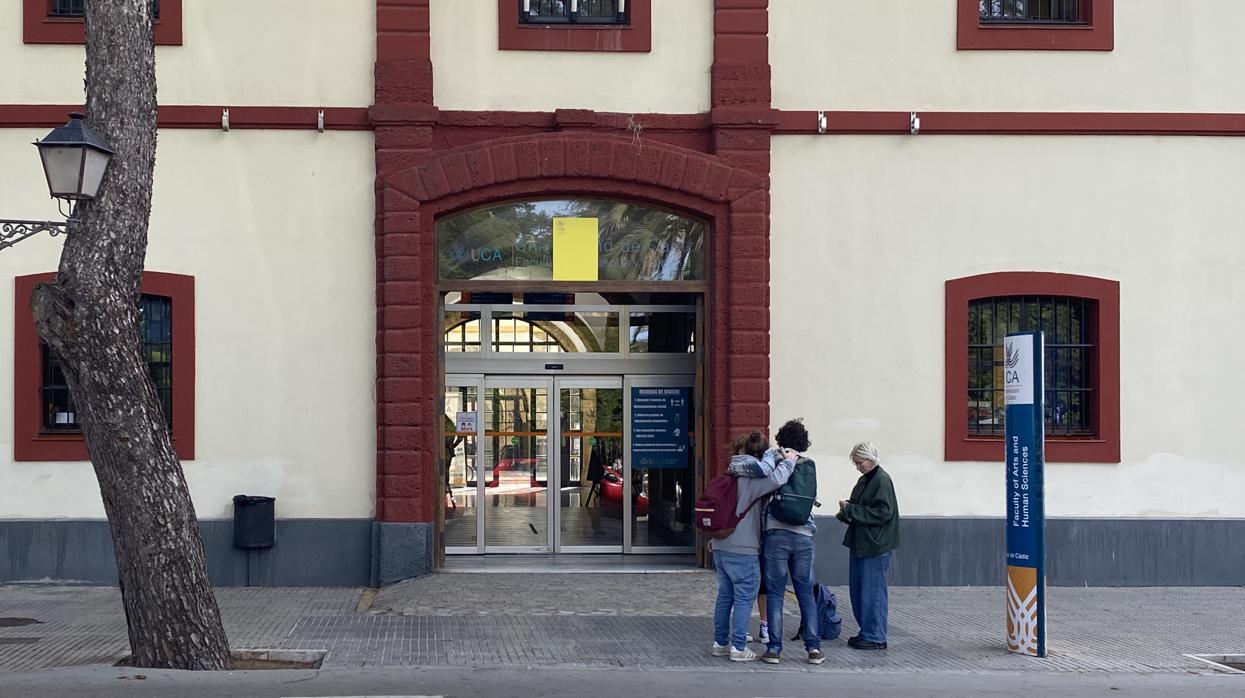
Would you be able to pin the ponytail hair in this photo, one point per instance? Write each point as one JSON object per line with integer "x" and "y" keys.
{"x": 753, "y": 444}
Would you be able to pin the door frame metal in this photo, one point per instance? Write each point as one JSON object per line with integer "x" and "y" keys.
{"x": 494, "y": 381}
{"x": 489, "y": 369}
{"x": 604, "y": 383}
{"x": 476, "y": 381}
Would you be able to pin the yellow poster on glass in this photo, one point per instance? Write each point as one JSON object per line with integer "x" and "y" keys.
{"x": 575, "y": 242}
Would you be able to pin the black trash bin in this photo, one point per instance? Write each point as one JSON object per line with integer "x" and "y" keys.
{"x": 254, "y": 522}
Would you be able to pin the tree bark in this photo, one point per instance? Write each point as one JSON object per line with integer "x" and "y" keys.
{"x": 89, "y": 318}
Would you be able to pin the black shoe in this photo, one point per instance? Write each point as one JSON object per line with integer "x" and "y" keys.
{"x": 857, "y": 644}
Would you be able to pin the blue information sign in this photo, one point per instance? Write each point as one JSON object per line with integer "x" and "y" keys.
{"x": 1024, "y": 456}
{"x": 659, "y": 427}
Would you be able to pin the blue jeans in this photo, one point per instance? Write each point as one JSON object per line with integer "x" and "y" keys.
{"x": 867, "y": 584}
{"x": 789, "y": 552}
{"x": 739, "y": 576}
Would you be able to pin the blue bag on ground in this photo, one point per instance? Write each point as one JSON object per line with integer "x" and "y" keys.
{"x": 828, "y": 620}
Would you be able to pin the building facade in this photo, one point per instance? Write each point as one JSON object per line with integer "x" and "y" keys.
{"x": 496, "y": 277}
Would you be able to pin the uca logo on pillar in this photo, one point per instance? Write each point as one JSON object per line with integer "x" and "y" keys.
{"x": 1017, "y": 370}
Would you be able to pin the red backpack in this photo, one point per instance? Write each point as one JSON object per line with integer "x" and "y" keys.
{"x": 715, "y": 510}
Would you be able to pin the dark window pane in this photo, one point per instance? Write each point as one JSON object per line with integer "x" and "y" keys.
{"x": 1068, "y": 347}
{"x": 156, "y": 334}
{"x": 77, "y": 8}
{"x": 58, "y": 414}
{"x": 1032, "y": 12}
{"x": 566, "y": 11}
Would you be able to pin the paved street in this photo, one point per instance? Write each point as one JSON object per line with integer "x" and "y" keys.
{"x": 620, "y": 630}
{"x": 604, "y": 683}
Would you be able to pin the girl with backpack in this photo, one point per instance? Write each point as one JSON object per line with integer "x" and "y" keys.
{"x": 735, "y": 540}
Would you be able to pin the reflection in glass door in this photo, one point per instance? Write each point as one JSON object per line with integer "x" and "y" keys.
{"x": 461, "y": 429}
{"x": 590, "y": 476}
{"x": 516, "y": 465}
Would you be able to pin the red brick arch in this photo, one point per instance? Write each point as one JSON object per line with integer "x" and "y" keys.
{"x": 421, "y": 185}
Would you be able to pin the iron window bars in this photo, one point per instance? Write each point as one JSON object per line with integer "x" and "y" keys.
{"x": 156, "y": 334}
{"x": 77, "y": 8}
{"x": 573, "y": 11}
{"x": 1066, "y": 322}
{"x": 1033, "y": 12}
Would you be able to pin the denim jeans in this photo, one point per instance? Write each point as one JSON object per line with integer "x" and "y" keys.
{"x": 867, "y": 584}
{"x": 787, "y": 552}
{"x": 739, "y": 576}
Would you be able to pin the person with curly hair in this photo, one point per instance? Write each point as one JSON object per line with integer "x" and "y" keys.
{"x": 787, "y": 551}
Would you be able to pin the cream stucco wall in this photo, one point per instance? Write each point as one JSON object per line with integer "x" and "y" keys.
{"x": 899, "y": 55}
{"x": 234, "y": 52}
{"x": 872, "y": 227}
{"x": 276, "y": 228}
{"x": 472, "y": 74}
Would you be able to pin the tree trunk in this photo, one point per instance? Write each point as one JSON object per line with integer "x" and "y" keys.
{"x": 89, "y": 318}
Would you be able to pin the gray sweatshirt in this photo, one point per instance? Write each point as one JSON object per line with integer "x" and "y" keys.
{"x": 746, "y": 539}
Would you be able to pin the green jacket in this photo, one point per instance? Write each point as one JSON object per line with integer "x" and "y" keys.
{"x": 872, "y": 516}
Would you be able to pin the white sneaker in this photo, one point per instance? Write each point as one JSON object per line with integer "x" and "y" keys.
{"x": 744, "y": 655}
{"x": 764, "y": 633}
{"x": 720, "y": 650}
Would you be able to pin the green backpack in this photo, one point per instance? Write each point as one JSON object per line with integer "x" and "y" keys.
{"x": 793, "y": 502}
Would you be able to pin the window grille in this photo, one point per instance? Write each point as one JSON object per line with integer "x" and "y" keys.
{"x": 573, "y": 11}
{"x": 515, "y": 335}
{"x": 1066, "y": 322}
{"x": 77, "y": 8}
{"x": 1033, "y": 11}
{"x": 156, "y": 334}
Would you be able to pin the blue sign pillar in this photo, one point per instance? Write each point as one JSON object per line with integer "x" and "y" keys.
{"x": 659, "y": 427}
{"x": 1023, "y": 381}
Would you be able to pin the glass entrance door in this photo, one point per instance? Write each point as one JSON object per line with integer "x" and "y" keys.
{"x": 591, "y": 481}
{"x": 584, "y": 464}
{"x": 514, "y": 478}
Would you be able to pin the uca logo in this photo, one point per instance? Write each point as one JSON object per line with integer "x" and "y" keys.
{"x": 1012, "y": 359}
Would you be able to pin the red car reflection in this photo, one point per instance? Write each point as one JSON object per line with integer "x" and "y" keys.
{"x": 612, "y": 491}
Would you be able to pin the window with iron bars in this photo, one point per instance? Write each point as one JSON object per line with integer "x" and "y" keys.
{"x": 156, "y": 334}
{"x": 1034, "y": 11}
{"x": 77, "y": 8}
{"x": 1069, "y": 341}
{"x": 573, "y": 11}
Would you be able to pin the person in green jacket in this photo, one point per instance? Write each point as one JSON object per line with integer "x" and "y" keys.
{"x": 872, "y": 518}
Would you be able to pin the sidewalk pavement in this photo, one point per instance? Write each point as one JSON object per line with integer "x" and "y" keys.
{"x": 655, "y": 621}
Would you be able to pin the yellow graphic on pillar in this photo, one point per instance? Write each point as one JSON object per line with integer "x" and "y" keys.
{"x": 575, "y": 243}
{"x": 1022, "y": 610}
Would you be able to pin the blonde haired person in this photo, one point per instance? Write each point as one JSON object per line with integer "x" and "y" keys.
{"x": 872, "y": 518}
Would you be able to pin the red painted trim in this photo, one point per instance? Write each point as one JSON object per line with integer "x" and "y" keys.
{"x": 204, "y": 117}
{"x": 28, "y": 444}
{"x": 513, "y": 35}
{"x": 788, "y": 122}
{"x": 1097, "y": 35}
{"x": 1105, "y": 448}
{"x": 402, "y": 30}
{"x": 39, "y": 28}
{"x": 1017, "y": 123}
{"x": 585, "y": 118}
{"x": 742, "y": 121}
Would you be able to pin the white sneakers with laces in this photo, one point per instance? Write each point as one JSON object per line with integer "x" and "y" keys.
{"x": 744, "y": 655}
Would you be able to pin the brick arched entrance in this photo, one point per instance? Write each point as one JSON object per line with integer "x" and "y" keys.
{"x": 415, "y": 191}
